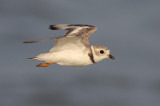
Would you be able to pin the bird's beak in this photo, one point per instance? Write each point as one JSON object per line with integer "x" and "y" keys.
{"x": 111, "y": 57}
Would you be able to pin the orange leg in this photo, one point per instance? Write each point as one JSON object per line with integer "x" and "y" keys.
{"x": 44, "y": 64}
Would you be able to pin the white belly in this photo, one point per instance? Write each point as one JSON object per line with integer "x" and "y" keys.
{"x": 71, "y": 58}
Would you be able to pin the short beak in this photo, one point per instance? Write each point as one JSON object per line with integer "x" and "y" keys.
{"x": 111, "y": 57}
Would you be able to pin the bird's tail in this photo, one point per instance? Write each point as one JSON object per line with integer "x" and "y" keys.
{"x": 42, "y": 57}
{"x": 32, "y": 58}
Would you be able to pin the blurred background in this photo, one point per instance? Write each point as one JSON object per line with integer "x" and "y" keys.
{"x": 130, "y": 28}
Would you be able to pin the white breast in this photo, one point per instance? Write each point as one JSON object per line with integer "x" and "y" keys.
{"x": 71, "y": 58}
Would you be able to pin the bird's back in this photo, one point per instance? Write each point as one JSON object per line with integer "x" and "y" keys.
{"x": 68, "y": 43}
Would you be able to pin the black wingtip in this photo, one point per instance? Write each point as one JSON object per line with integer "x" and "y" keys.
{"x": 29, "y": 42}
{"x": 53, "y": 27}
{"x": 31, "y": 58}
{"x": 25, "y": 41}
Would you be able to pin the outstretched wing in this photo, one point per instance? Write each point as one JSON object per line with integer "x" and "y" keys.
{"x": 76, "y": 30}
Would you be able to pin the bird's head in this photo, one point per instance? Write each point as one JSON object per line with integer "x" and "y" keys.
{"x": 101, "y": 52}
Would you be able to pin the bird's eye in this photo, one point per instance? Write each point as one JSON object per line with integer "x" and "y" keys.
{"x": 101, "y": 51}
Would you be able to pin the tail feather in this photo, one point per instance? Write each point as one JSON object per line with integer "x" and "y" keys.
{"x": 42, "y": 57}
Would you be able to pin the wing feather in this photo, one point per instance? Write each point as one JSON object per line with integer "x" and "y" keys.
{"x": 84, "y": 31}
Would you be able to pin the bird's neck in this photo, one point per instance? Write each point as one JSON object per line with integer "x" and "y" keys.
{"x": 92, "y": 55}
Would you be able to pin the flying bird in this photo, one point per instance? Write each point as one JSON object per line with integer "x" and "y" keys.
{"x": 72, "y": 49}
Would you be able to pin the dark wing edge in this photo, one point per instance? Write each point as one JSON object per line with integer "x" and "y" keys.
{"x": 82, "y": 30}
{"x": 75, "y": 29}
{"x": 67, "y": 26}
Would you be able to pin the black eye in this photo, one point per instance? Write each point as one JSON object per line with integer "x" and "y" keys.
{"x": 101, "y": 51}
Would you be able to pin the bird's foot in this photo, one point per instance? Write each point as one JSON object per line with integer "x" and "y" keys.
{"x": 44, "y": 64}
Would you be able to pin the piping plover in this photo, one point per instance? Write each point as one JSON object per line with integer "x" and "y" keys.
{"x": 72, "y": 49}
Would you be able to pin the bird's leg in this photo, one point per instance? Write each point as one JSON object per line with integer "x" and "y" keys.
{"x": 44, "y": 64}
